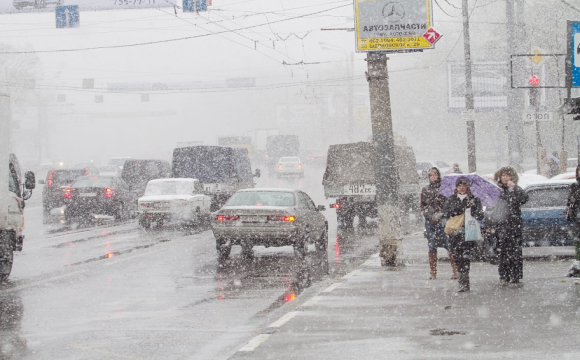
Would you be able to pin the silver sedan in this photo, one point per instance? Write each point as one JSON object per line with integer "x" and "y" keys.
{"x": 269, "y": 217}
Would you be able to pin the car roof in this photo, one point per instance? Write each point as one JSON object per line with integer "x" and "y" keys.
{"x": 554, "y": 184}
{"x": 173, "y": 180}
{"x": 269, "y": 189}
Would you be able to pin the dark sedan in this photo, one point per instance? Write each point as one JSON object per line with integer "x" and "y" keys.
{"x": 544, "y": 215}
{"x": 98, "y": 195}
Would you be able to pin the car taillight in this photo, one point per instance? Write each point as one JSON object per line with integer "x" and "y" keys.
{"x": 266, "y": 156}
{"x": 227, "y": 217}
{"x": 86, "y": 171}
{"x": 279, "y": 166}
{"x": 281, "y": 218}
{"x": 67, "y": 193}
{"x": 109, "y": 193}
{"x": 299, "y": 165}
{"x": 49, "y": 182}
{"x": 335, "y": 206}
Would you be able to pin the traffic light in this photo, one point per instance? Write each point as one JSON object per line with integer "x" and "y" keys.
{"x": 534, "y": 93}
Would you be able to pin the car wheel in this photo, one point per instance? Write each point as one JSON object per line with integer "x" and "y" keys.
{"x": 248, "y": 251}
{"x": 301, "y": 247}
{"x": 120, "y": 212}
{"x": 144, "y": 222}
{"x": 322, "y": 243}
{"x": 45, "y": 215}
{"x": 223, "y": 252}
{"x": 6, "y": 255}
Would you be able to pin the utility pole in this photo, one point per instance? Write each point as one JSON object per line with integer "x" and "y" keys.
{"x": 514, "y": 99}
{"x": 469, "y": 104}
{"x": 351, "y": 127}
{"x": 386, "y": 174}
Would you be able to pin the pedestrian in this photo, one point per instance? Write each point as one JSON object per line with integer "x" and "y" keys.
{"x": 505, "y": 221}
{"x": 432, "y": 207}
{"x": 456, "y": 169}
{"x": 572, "y": 216}
{"x": 462, "y": 200}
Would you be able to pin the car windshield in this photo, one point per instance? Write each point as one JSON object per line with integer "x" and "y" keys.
{"x": 292, "y": 159}
{"x": 441, "y": 164}
{"x": 169, "y": 188}
{"x": 572, "y": 162}
{"x": 117, "y": 162}
{"x": 92, "y": 182}
{"x": 262, "y": 198}
{"x": 65, "y": 177}
{"x": 545, "y": 198}
{"x": 109, "y": 169}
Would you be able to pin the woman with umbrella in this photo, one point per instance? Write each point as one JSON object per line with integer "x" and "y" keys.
{"x": 456, "y": 205}
{"x": 505, "y": 220}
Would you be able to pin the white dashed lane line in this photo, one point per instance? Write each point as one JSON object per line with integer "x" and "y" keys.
{"x": 254, "y": 343}
{"x": 351, "y": 274}
{"x": 331, "y": 287}
{"x": 284, "y": 319}
{"x": 312, "y": 301}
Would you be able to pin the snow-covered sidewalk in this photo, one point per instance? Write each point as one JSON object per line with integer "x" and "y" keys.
{"x": 378, "y": 313}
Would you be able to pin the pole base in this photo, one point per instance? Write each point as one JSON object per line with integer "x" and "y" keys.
{"x": 388, "y": 255}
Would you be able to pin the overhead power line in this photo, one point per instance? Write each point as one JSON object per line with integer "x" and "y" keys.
{"x": 173, "y": 40}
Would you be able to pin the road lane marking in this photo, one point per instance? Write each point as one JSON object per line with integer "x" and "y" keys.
{"x": 312, "y": 301}
{"x": 255, "y": 342}
{"x": 20, "y": 287}
{"x": 331, "y": 287}
{"x": 351, "y": 274}
{"x": 284, "y": 319}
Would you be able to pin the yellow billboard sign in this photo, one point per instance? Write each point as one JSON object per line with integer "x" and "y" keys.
{"x": 394, "y": 25}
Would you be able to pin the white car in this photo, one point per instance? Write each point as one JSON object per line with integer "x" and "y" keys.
{"x": 290, "y": 166}
{"x": 177, "y": 201}
{"x": 424, "y": 166}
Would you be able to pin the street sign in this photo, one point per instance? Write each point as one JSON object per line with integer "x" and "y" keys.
{"x": 34, "y": 6}
{"x": 394, "y": 25}
{"x": 431, "y": 35}
{"x": 574, "y": 29}
{"x": 537, "y": 58}
{"x": 67, "y": 16}
{"x": 195, "y": 5}
{"x": 530, "y": 116}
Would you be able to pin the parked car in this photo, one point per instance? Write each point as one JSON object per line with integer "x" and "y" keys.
{"x": 138, "y": 172}
{"x": 98, "y": 195}
{"x": 424, "y": 166}
{"x": 269, "y": 217}
{"x": 178, "y": 201}
{"x": 564, "y": 176}
{"x": 290, "y": 166}
{"x": 57, "y": 180}
{"x": 544, "y": 215}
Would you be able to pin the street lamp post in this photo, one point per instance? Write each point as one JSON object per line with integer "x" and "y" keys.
{"x": 349, "y": 72}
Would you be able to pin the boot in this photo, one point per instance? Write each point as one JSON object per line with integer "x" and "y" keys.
{"x": 433, "y": 266}
{"x": 453, "y": 266}
{"x": 463, "y": 282}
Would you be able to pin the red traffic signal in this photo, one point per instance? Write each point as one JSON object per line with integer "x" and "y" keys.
{"x": 534, "y": 80}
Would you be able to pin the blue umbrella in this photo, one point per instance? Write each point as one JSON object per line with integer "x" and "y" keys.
{"x": 486, "y": 191}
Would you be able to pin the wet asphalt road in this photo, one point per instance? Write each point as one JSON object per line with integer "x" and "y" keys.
{"x": 115, "y": 291}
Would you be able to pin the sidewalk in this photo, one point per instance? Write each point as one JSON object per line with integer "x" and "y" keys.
{"x": 378, "y": 313}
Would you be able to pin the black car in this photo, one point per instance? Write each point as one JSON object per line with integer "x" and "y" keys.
{"x": 138, "y": 172}
{"x": 98, "y": 195}
{"x": 53, "y": 191}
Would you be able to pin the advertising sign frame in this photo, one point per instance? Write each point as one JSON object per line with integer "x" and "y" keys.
{"x": 396, "y": 28}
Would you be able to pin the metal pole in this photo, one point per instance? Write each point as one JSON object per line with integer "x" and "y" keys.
{"x": 350, "y": 100}
{"x": 386, "y": 174}
{"x": 469, "y": 104}
{"x": 513, "y": 97}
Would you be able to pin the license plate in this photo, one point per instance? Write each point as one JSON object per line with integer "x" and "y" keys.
{"x": 160, "y": 205}
{"x": 253, "y": 219}
{"x": 88, "y": 194}
{"x": 360, "y": 189}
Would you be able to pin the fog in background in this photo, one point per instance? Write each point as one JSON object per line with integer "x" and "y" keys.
{"x": 285, "y": 69}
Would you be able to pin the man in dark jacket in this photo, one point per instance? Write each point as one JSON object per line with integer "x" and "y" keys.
{"x": 572, "y": 216}
{"x": 506, "y": 221}
{"x": 457, "y": 204}
{"x": 432, "y": 207}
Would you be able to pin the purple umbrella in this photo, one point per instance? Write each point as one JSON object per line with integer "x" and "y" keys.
{"x": 486, "y": 191}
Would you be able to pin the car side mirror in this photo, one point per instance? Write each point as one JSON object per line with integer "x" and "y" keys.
{"x": 320, "y": 208}
{"x": 258, "y": 173}
{"x": 26, "y": 194}
{"x": 29, "y": 180}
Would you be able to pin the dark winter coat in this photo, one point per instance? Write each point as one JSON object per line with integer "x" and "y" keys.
{"x": 455, "y": 206}
{"x": 431, "y": 201}
{"x": 574, "y": 199}
{"x": 507, "y": 214}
